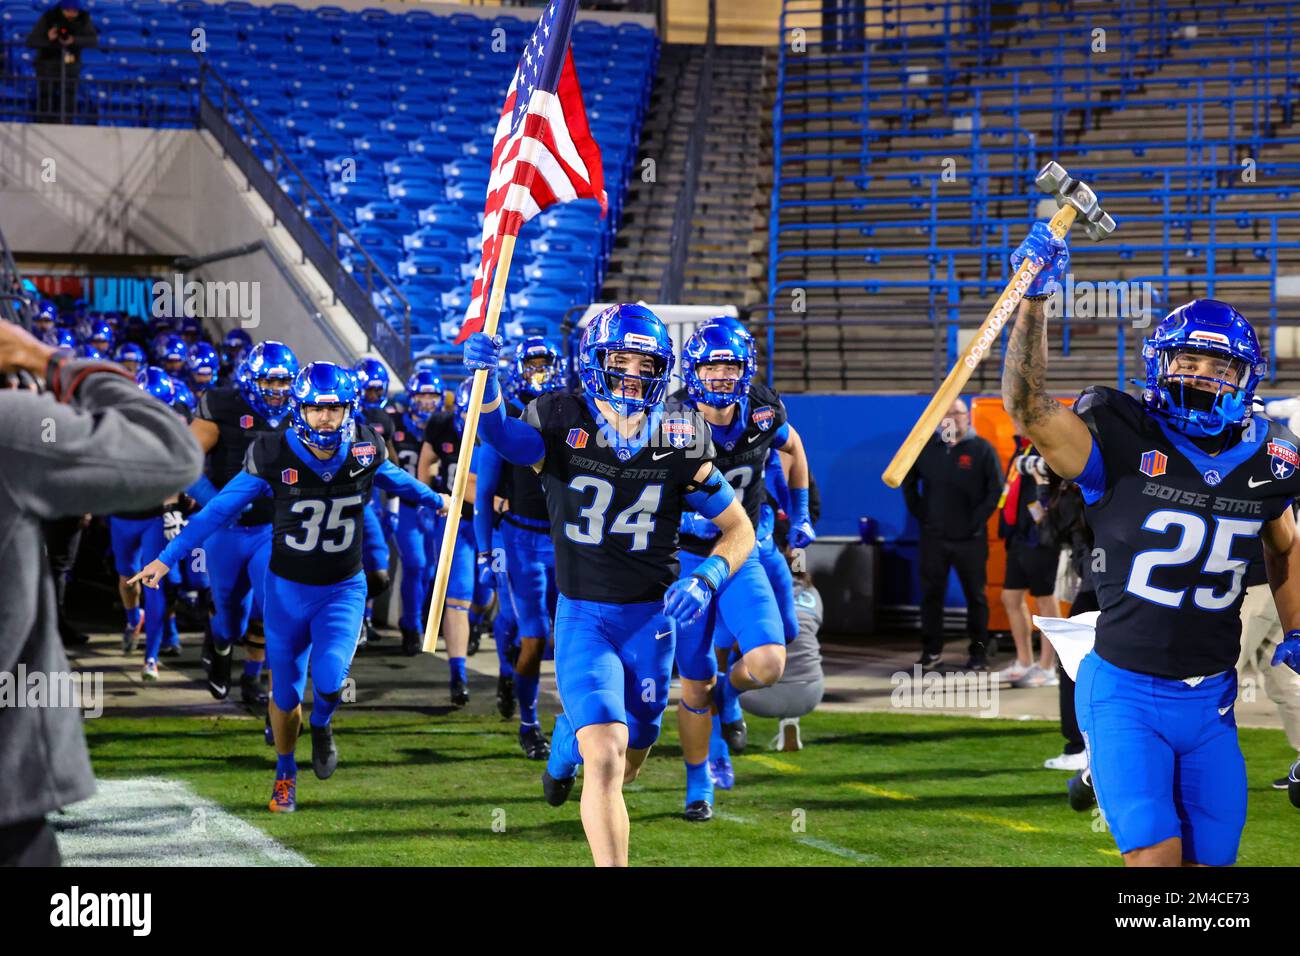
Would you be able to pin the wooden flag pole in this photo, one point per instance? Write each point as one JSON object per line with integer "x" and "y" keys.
{"x": 468, "y": 436}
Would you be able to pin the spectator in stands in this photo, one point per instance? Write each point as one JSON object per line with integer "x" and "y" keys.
{"x": 1027, "y": 523}
{"x": 93, "y": 441}
{"x": 801, "y": 686}
{"x": 62, "y": 32}
{"x": 952, "y": 491}
{"x": 1261, "y": 632}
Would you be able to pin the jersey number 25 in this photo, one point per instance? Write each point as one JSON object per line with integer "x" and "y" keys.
{"x": 1191, "y": 539}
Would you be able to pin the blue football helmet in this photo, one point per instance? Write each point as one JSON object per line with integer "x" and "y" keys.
{"x": 203, "y": 364}
{"x": 88, "y": 351}
{"x": 47, "y": 315}
{"x": 526, "y": 381}
{"x": 184, "y": 396}
{"x": 372, "y": 377}
{"x": 1203, "y": 327}
{"x": 101, "y": 336}
{"x": 625, "y": 328}
{"x": 714, "y": 343}
{"x": 191, "y": 329}
{"x": 730, "y": 322}
{"x": 323, "y": 383}
{"x": 157, "y": 383}
{"x": 236, "y": 340}
{"x": 61, "y": 338}
{"x": 424, "y": 395}
{"x": 172, "y": 353}
{"x": 128, "y": 354}
{"x": 270, "y": 373}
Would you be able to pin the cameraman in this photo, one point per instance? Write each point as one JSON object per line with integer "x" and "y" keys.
{"x": 92, "y": 441}
{"x": 58, "y": 38}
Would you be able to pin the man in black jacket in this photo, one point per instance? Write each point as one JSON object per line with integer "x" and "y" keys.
{"x": 59, "y": 36}
{"x": 92, "y": 441}
{"x": 952, "y": 491}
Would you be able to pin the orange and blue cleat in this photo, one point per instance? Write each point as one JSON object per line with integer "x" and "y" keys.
{"x": 284, "y": 798}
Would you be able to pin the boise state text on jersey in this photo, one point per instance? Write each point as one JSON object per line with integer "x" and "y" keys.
{"x": 1172, "y": 531}
{"x": 614, "y": 522}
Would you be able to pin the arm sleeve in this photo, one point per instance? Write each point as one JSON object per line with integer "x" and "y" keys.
{"x": 485, "y": 488}
{"x": 217, "y": 513}
{"x": 515, "y": 440}
{"x": 1092, "y": 480}
{"x": 782, "y": 437}
{"x": 712, "y": 496}
{"x": 776, "y": 483}
{"x": 202, "y": 490}
{"x": 397, "y": 482}
{"x": 94, "y": 443}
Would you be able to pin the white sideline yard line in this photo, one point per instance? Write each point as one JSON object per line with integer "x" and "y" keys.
{"x": 152, "y": 821}
{"x": 813, "y": 842}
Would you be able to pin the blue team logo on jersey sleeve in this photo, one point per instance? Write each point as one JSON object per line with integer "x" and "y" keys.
{"x": 1285, "y": 457}
{"x": 679, "y": 432}
{"x": 364, "y": 453}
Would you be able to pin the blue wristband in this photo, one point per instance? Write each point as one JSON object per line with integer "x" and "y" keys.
{"x": 799, "y": 501}
{"x": 713, "y": 571}
{"x": 491, "y": 389}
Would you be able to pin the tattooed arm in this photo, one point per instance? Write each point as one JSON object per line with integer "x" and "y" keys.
{"x": 1059, "y": 434}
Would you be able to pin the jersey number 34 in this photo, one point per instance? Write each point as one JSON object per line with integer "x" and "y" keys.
{"x": 637, "y": 519}
{"x": 1192, "y": 530}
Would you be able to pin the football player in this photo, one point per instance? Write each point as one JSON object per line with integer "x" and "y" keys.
{"x": 535, "y": 369}
{"x": 203, "y": 365}
{"x": 423, "y": 399}
{"x": 372, "y": 394}
{"x": 228, "y": 421}
{"x": 746, "y": 419}
{"x": 617, "y": 470}
{"x": 1170, "y": 480}
{"x": 318, "y": 478}
{"x": 439, "y": 459}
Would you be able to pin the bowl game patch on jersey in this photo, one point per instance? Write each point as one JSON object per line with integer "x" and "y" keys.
{"x": 245, "y": 421}
{"x": 763, "y": 416}
{"x": 679, "y": 431}
{"x": 1153, "y": 464}
{"x": 577, "y": 438}
{"x": 1285, "y": 457}
{"x": 364, "y": 453}
{"x": 289, "y": 476}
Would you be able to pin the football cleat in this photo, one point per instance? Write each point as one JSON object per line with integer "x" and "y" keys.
{"x": 722, "y": 773}
{"x": 170, "y": 650}
{"x": 412, "y": 641}
{"x": 372, "y": 633}
{"x": 324, "y": 755}
{"x": 556, "y": 791}
{"x": 1082, "y": 794}
{"x": 475, "y": 641}
{"x": 128, "y": 638}
{"x": 205, "y": 655}
{"x": 736, "y": 734}
{"x": 219, "y": 672}
{"x": 284, "y": 798}
{"x": 459, "y": 693}
{"x": 534, "y": 742}
{"x": 698, "y": 811}
{"x": 250, "y": 690}
{"x": 505, "y": 696}
{"x": 150, "y": 670}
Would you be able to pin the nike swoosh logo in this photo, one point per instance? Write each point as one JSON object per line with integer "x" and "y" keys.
{"x": 1252, "y": 483}
{"x": 657, "y": 455}
{"x": 219, "y": 688}
{"x": 752, "y": 439}
{"x": 659, "y": 636}
{"x": 1224, "y": 710}
{"x": 353, "y": 474}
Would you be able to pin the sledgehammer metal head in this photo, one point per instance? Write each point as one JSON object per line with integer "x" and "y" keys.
{"x": 1069, "y": 191}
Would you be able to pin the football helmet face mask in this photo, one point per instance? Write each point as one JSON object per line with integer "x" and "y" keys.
{"x": 535, "y": 368}
{"x": 130, "y": 356}
{"x": 626, "y": 328}
{"x": 203, "y": 364}
{"x": 424, "y": 396}
{"x": 714, "y": 344}
{"x": 272, "y": 369}
{"x": 185, "y": 397}
{"x": 323, "y": 384}
{"x": 372, "y": 379}
{"x": 1203, "y": 364}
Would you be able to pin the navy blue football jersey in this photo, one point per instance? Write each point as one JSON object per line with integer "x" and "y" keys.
{"x": 238, "y": 426}
{"x": 521, "y": 486}
{"x": 318, "y": 518}
{"x": 741, "y": 450}
{"x": 442, "y": 435}
{"x": 406, "y": 438}
{"x": 614, "y": 511}
{"x": 1173, "y": 529}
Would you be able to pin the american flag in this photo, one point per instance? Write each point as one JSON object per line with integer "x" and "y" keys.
{"x": 542, "y": 152}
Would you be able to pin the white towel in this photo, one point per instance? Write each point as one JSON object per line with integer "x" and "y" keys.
{"x": 1072, "y": 637}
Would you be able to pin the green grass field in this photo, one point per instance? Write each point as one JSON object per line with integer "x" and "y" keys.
{"x": 889, "y": 789}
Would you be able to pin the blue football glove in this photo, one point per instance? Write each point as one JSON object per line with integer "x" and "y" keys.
{"x": 1288, "y": 652}
{"x": 801, "y": 529}
{"x": 484, "y": 352}
{"x": 427, "y": 518}
{"x": 697, "y": 526}
{"x": 1042, "y": 247}
{"x": 687, "y": 598}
